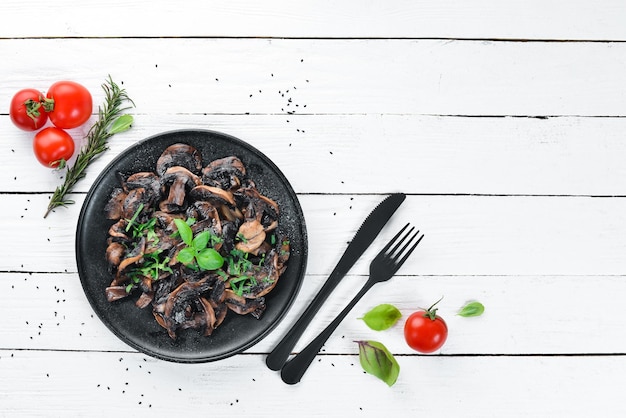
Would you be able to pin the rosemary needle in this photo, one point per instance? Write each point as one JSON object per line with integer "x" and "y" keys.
{"x": 111, "y": 120}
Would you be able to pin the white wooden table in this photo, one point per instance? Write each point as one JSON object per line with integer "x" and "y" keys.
{"x": 503, "y": 122}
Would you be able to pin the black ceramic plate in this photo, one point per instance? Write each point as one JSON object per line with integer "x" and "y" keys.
{"x": 137, "y": 327}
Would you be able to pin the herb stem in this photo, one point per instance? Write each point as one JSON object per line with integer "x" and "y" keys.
{"x": 97, "y": 138}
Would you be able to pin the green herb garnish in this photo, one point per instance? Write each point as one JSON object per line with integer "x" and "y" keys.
{"x": 197, "y": 253}
{"x": 152, "y": 267}
{"x": 131, "y": 221}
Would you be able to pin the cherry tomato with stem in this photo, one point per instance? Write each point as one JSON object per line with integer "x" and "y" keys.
{"x": 425, "y": 331}
{"x": 52, "y": 146}
{"x": 69, "y": 104}
{"x": 27, "y": 111}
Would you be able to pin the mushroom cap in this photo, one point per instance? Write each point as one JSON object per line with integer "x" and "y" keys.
{"x": 180, "y": 173}
{"x": 226, "y": 173}
{"x": 179, "y": 154}
{"x": 146, "y": 180}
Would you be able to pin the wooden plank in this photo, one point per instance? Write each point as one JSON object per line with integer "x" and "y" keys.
{"x": 466, "y": 235}
{"x": 240, "y": 76}
{"x": 446, "y": 155}
{"x": 280, "y": 18}
{"x": 531, "y": 315}
{"x": 102, "y": 384}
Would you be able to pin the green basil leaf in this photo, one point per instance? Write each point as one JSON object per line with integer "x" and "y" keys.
{"x": 186, "y": 255}
{"x": 201, "y": 240}
{"x": 121, "y": 124}
{"x": 185, "y": 231}
{"x": 472, "y": 309}
{"x": 209, "y": 259}
{"x": 382, "y": 317}
{"x": 378, "y": 361}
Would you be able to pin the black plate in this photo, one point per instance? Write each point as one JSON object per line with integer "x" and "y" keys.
{"x": 137, "y": 327}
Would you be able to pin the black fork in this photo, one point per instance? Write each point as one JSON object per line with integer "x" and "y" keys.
{"x": 382, "y": 268}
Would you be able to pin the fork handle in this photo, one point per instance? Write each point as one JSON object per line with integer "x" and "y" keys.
{"x": 295, "y": 368}
{"x": 277, "y": 358}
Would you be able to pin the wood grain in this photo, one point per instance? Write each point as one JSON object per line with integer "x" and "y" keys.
{"x": 471, "y": 235}
{"x": 536, "y": 385}
{"x": 278, "y": 76}
{"x": 566, "y": 156}
{"x": 482, "y": 19}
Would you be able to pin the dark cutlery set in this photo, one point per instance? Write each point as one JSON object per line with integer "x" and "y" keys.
{"x": 382, "y": 268}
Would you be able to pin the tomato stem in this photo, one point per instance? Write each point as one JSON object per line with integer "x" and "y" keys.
{"x": 431, "y": 312}
{"x": 48, "y": 104}
{"x": 32, "y": 108}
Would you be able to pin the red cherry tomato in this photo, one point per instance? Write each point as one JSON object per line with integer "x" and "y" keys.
{"x": 51, "y": 145}
{"x": 425, "y": 331}
{"x": 72, "y": 104}
{"x": 26, "y": 110}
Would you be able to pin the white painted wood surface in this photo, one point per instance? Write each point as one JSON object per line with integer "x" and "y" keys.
{"x": 503, "y": 121}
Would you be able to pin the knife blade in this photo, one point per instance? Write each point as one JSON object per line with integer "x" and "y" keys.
{"x": 365, "y": 235}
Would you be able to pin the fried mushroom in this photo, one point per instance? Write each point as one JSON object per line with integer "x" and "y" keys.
{"x": 179, "y": 155}
{"x": 178, "y": 180}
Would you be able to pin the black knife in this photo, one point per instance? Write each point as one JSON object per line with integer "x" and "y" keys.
{"x": 366, "y": 234}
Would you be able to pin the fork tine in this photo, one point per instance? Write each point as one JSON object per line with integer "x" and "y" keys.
{"x": 393, "y": 240}
{"x": 394, "y": 252}
{"x": 403, "y": 259}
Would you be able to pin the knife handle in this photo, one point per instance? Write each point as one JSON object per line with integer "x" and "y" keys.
{"x": 278, "y": 357}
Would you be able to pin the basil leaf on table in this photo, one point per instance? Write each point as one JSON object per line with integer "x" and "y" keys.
{"x": 121, "y": 124}
{"x": 472, "y": 309}
{"x": 378, "y": 361}
{"x": 382, "y": 317}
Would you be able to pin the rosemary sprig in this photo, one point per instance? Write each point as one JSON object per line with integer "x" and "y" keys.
{"x": 111, "y": 121}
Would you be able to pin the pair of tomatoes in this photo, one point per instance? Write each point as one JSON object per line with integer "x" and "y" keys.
{"x": 66, "y": 105}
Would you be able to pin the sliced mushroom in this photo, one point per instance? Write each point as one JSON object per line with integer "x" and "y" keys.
{"x": 203, "y": 210}
{"x": 229, "y": 233}
{"x": 179, "y": 180}
{"x": 148, "y": 181}
{"x": 208, "y": 317}
{"x": 131, "y": 258}
{"x": 284, "y": 252}
{"x": 114, "y": 209}
{"x": 114, "y": 293}
{"x": 181, "y": 306}
{"x": 259, "y": 207}
{"x": 220, "y": 310}
{"x": 144, "y": 300}
{"x": 135, "y": 199}
{"x": 213, "y": 195}
{"x": 118, "y": 230}
{"x": 165, "y": 221}
{"x": 114, "y": 253}
{"x": 265, "y": 276}
{"x": 225, "y": 173}
{"x": 251, "y": 235}
{"x": 243, "y": 306}
{"x": 179, "y": 155}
